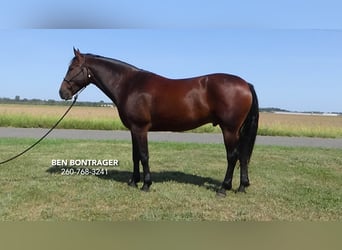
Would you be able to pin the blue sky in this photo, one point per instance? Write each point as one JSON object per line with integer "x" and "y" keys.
{"x": 291, "y": 52}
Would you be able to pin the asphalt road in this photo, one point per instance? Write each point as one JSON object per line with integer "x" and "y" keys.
{"x": 165, "y": 136}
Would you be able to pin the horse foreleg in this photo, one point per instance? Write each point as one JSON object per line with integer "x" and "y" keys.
{"x": 136, "y": 159}
{"x": 140, "y": 138}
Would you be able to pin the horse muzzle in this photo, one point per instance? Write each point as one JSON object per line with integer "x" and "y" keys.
{"x": 65, "y": 94}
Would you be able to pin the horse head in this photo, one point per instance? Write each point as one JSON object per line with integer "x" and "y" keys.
{"x": 77, "y": 77}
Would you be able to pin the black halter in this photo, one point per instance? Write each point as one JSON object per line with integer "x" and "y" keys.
{"x": 81, "y": 71}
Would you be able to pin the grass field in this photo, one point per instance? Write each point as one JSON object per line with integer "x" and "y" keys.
{"x": 12, "y": 115}
{"x": 287, "y": 184}
{"x": 43, "y": 116}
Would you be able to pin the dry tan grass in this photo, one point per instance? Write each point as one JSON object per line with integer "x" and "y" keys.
{"x": 266, "y": 119}
{"x": 306, "y": 125}
{"x": 309, "y": 121}
{"x": 55, "y": 111}
{"x": 270, "y": 123}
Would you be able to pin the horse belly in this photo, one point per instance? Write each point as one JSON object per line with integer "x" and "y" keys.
{"x": 180, "y": 118}
{"x": 177, "y": 125}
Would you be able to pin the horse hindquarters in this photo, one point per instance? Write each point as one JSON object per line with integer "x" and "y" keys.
{"x": 239, "y": 133}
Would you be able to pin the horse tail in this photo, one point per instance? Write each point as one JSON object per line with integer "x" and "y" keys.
{"x": 248, "y": 131}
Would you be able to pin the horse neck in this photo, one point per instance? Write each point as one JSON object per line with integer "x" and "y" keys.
{"x": 110, "y": 77}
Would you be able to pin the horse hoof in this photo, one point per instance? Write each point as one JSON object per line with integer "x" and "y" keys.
{"x": 221, "y": 193}
{"x": 145, "y": 188}
{"x": 132, "y": 184}
{"x": 241, "y": 189}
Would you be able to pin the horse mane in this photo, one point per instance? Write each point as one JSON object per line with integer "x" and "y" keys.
{"x": 113, "y": 61}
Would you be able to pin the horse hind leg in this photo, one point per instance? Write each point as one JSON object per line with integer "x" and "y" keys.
{"x": 230, "y": 142}
{"x": 244, "y": 160}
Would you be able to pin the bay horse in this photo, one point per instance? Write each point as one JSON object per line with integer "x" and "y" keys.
{"x": 150, "y": 102}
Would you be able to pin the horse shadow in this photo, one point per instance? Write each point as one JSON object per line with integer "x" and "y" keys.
{"x": 158, "y": 177}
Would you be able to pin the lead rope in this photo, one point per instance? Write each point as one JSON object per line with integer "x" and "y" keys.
{"x": 48, "y": 132}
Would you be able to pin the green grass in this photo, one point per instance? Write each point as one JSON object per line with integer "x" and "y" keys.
{"x": 291, "y": 184}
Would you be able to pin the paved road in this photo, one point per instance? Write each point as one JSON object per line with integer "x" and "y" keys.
{"x": 165, "y": 136}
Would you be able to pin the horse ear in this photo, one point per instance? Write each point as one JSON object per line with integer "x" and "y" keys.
{"x": 76, "y": 52}
{"x": 79, "y": 55}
